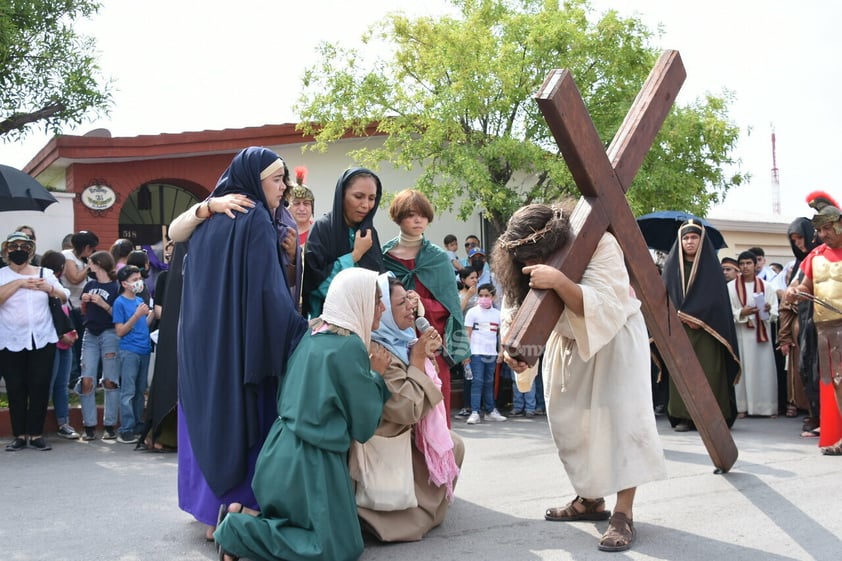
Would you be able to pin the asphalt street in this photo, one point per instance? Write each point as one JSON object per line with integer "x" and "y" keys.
{"x": 782, "y": 501}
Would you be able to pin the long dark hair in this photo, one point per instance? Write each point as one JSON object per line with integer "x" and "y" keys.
{"x": 104, "y": 260}
{"x": 534, "y": 232}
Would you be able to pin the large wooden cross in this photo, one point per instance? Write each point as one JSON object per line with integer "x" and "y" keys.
{"x": 603, "y": 178}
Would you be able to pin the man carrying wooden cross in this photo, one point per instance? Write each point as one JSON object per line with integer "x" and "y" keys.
{"x": 596, "y": 370}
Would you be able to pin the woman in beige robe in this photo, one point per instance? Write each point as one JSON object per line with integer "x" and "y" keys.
{"x": 416, "y": 405}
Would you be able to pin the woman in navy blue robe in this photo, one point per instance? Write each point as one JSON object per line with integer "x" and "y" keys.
{"x": 238, "y": 326}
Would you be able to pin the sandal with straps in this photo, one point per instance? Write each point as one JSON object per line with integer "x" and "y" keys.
{"x": 223, "y": 512}
{"x": 833, "y": 450}
{"x": 620, "y": 534}
{"x": 568, "y": 513}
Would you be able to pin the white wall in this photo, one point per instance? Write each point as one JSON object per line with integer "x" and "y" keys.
{"x": 50, "y": 226}
{"x": 325, "y": 169}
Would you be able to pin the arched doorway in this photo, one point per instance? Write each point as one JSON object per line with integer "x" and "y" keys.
{"x": 151, "y": 207}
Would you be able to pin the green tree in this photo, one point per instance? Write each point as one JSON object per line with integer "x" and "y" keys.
{"x": 48, "y": 72}
{"x": 456, "y": 99}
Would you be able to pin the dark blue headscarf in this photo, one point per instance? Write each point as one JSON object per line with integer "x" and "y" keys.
{"x": 243, "y": 175}
{"x": 238, "y": 326}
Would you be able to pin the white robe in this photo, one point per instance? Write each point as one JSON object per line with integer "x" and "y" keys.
{"x": 597, "y": 384}
{"x": 757, "y": 389}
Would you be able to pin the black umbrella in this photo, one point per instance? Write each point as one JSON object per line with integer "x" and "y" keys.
{"x": 19, "y": 191}
{"x": 661, "y": 228}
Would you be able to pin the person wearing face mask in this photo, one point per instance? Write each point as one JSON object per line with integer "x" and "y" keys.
{"x": 483, "y": 325}
{"x": 27, "y": 340}
{"x": 477, "y": 261}
{"x": 30, "y": 231}
{"x": 132, "y": 318}
{"x": 140, "y": 259}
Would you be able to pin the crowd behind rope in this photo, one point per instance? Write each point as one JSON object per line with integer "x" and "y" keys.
{"x": 753, "y": 326}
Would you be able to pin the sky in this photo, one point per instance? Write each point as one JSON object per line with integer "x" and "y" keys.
{"x": 187, "y": 65}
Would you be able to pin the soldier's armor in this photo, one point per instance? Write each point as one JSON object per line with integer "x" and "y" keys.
{"x": 827, "y": 285}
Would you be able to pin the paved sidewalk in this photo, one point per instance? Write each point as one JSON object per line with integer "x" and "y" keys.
{"x": 781, "y": 501}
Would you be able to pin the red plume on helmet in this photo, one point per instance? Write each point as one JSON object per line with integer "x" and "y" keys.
{"x": 300, "y": 174}
{"x": 819, "y": 199}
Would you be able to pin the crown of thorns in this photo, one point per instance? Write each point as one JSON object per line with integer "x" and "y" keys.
{"x": 536, "y": 235}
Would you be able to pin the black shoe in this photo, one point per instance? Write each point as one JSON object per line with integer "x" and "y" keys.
{"x": 516, "y": 413}
{"x": 15, "y": 445}
{"x": 109, "y": 433}
{"x": 40, "y": 444}
{"x": 90, "y": 433}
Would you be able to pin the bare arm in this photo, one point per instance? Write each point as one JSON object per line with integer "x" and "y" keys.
{"x": 73, "y": 273}
{"x": 550, "y": 278}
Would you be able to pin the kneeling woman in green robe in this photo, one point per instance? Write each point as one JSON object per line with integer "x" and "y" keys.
{"x": 333, "y": 392}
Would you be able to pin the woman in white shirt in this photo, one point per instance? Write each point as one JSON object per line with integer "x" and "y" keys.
{"x": 27, "y": 339}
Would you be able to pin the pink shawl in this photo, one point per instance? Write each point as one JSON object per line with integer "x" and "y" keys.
{"x": 432, "y": 438}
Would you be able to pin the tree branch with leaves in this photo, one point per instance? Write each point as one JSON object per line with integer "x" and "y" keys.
{"x": 454, "y": 97}
{"x": 48, "y": 71}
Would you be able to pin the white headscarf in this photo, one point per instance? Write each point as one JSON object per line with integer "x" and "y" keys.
{"x": 350, "y": 301}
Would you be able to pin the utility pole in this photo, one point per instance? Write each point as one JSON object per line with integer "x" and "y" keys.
{"x": 776, "y": 180}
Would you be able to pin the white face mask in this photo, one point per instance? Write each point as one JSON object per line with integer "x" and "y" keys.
{"x": 137, "y": 286}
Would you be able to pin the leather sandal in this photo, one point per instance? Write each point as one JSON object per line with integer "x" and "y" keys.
{"x": 833, "y": 450}
{"x": 568, "y": 513}
{"x": 620, "y": 534}
{"x": 223, "y": 512}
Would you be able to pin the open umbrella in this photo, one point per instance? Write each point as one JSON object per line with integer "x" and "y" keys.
{"x": 661, "y": 228}
{"x": 19, "y": 191}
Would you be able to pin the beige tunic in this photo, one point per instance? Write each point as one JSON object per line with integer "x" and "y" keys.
{"x": 597, "y": 384}
{"x": 413, "y": 395}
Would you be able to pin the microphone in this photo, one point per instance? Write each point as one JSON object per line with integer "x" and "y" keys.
{"x": 423, "y": 326}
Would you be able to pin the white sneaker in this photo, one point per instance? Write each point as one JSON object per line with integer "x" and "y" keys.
{"x": 496, "y": 416}
{"x": 473, "y": 419}
{"x": 68, "y": 432}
